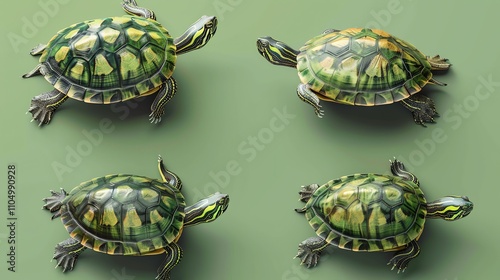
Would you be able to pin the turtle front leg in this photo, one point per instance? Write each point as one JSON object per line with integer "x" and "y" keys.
{"x": 130, "y": 6}
{"x": 43, "y": 106}
{"x": 310, "y": 251}
{"x": 398, "y": 169}
{"x": 174, "y": 256}
{"x": 403, "y": 257}
{"x": 422, "y": 108}
{"x": 165, "y": 93}
{"x": 53, "y": 203}
{"x": 438, "y": 63}
{"x": 309, "y": 97}
{"x": 67, "y": 252}
{"x": 38, "y": 49}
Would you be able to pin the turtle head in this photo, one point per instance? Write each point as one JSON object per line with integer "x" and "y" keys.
{"x": 197, "y": 35}
{"x": 206, "y": 210}
{"x": 277, "y": 52}
{"x": 450, "y": 208}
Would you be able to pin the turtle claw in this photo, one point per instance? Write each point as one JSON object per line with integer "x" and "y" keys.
{"x": 66, "y": 254}
{"x": 154, "y": 118}
{"x": 320, "y": 113}
{"x": 53, "y": 203}
{"x": 307, "y": 257}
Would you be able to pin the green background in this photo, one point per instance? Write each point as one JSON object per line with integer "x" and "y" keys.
{"x": 229, "y": 96}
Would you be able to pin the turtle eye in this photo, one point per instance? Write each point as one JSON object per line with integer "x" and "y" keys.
{"x": 262, "y": 45}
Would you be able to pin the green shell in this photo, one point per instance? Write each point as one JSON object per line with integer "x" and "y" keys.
{"x": 124, "y": 214}
{"x": 367, "y": 212}
{"x": 109, "y": 60}
{"x": 363, "y": 67}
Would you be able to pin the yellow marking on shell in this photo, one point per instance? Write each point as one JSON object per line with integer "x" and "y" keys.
{"x": 168, "y": 201}
{"x": 135, "y": 34}
{"x": 356, "y": 214}
{"x": 155, "y": 217}
{"x": 77, "y": 70}
{"x": 339, "y": 42}
{"x": 350, "y": 31}
{"x": 156, "y": 36}
{"x": 366, "y": 42}
{"x": 61, "y": 53}
{"x": 154, "y": 252}
{"x": 109, "y": 217}
{"x": 109, "y": 35}
{"x": 95, "y": 24}
{"x": 327, "y": 65}
{"x": 381, "y": 33}
{"x": 131, "y": 219}
{"x": 128, "y": 62}
{"x": 142, "y": 21}
{"x": 150, "y": 55}
{"x": 397, "y": 70}
{"x": 97, "y": 244}
{"x": 350, "y": 65}
{"x": 149, "y": 196}
{"x": 122, "y": 192}
{"x": 338, "y": 216}
{"x": 377, "y": 66}
{"x": 376, "y": 219}
{"x": 102, "y": 66}
{"x": 121, "y": 20}
{"x": 89, "y": 215}
{"x": 78, "y": 199}
{"x": 399, "y": 215}
{"x": 70, "y": 34}
{"x": 392, "y": 194}
{"x": 386, "y": 44}
{"x": 111, "y": 248}
{"x": 101, "y": 195}
{"x": 86, "y": 42}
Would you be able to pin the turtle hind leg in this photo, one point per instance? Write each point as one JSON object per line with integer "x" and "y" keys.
{"x": 174, "y": 256}
{"x": 53, "y": 203}
{"x": 438, "y": 63}
{"x": 66, "y": 253}
{"x": 35, "y": 72}
{"x": 422, "y": 108}
{"x": 131, "y": 7}
{"x": 403, "y": 257}
{"x": 310, "y": 251}
{"x": 168, "y": 176}
{"x": 43, "y": 106}
{"x": 398, "y": 169}
{"x": 307, "y": 191}
{"x": 38, "y": 49}
{"x": 165, "y": 93}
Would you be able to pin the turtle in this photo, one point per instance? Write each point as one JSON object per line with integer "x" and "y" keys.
{"x": 114, "y": 59}
{"x": 360, "y": 67}
{"x": 122, "y": 214}
{"x": 373, "y": 213}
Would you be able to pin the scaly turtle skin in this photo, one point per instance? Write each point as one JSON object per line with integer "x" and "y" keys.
{"x": 104, "y": 61}
{"x": 129, "y": 215}
{"x": 361, "y": 67}
{"x": 373, "y": 213}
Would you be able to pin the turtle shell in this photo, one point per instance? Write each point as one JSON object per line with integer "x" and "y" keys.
{"x": 364, "y": 67}
{"x": 124, "y": 214}
{"x": 109, "y": 60}
{"x": 367, "y": 212}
